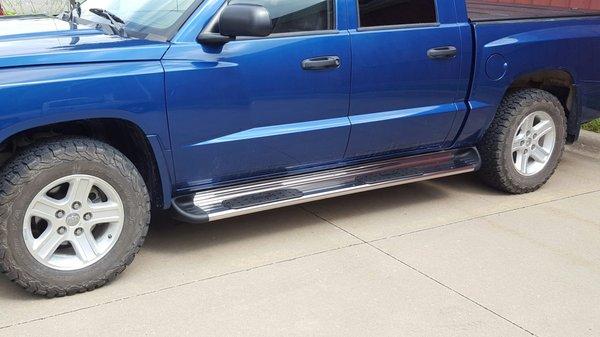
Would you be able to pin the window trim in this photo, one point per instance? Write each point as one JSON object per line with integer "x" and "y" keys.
{"x": 335, "y": 31}
{"x": 401, "y": 26}
{"x": 360, "y": 28}
{"x": 290, "y": 34}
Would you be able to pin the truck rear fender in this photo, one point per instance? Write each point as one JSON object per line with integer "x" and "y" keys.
{"x": 538, "y": 53}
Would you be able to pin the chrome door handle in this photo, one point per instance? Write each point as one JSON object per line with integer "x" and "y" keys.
{"x": 446, "y": 52}
{"x": 320, "y": 63}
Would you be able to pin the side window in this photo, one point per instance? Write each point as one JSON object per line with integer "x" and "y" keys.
{"x": 291, "y": 16}
{"x": 376, "y": 13}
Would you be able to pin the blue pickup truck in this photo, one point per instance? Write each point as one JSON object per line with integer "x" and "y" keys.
{"x": 217, "y": 108}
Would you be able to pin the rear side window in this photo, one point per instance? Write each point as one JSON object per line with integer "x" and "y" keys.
{"x": 290, "y": 16}
{"x": 376, "y": 13}
{"x": 485, "y": 10}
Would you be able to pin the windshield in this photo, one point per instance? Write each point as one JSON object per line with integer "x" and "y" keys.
{"x": 144, "y": 17}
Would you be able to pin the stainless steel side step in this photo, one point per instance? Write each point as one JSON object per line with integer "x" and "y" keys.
{"x": 264, "y": 195}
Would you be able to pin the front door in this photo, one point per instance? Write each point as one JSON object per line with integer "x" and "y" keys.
{"x": 406, "y": 75}
{"x": 256, "y": 108}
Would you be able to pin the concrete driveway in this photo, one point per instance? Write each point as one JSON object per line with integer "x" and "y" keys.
{"x": 443, "y": 258}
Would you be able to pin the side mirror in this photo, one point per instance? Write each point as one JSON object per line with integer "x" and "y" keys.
{"x": 245, "y": 20}
{"x": 240, "y": 20}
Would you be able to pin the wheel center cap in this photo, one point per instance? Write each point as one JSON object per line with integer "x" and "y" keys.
{"x": 72, "y": 219}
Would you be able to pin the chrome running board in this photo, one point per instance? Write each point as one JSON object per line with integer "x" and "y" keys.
{"x": 249, "y": 198}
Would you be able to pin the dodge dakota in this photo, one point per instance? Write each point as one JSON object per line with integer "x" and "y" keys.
{"x": 215, "y": 109}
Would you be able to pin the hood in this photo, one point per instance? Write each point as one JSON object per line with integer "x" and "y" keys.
{"x": 41, "y": 40}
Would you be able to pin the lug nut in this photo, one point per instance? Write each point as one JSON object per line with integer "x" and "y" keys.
{"x": 76, "y": 205}
{"x": 62, "y": 230}
{"x": 87, "y": 216}
{"x": 60, "y": 214}
{"x": 79, "y": 231}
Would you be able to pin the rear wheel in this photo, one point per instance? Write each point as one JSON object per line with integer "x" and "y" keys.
{"x": 524, "y": 145}
{"x": 73, "y": 214}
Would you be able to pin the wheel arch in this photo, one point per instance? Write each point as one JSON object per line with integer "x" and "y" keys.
{"x": 560, "y": 83}
{"x": 145, "y": 151}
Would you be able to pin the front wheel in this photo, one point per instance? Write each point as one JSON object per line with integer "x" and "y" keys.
{"x": 73, "y": 214}
{"x": 525, "y": 143}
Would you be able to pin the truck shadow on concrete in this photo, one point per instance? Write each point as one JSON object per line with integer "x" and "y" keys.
{"x": 171, "y": 237}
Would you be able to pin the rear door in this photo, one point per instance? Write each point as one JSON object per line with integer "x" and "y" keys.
{"x": 407, "y": 81}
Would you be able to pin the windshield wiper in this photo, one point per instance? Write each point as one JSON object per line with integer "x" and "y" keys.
{"x": 117, "y": 23}
{"x": 73, "y": 16}
{"x": 69, "y": 16}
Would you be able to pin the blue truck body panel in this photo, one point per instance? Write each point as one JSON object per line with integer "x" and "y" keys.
{"x": 246, "y": 110}
{"x": 516, "y": 48}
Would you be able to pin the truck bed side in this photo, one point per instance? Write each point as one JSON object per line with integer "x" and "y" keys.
{"x": 510, "y": 53}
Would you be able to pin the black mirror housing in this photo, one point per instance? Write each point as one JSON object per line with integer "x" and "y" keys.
{"x": 245, "y": 20}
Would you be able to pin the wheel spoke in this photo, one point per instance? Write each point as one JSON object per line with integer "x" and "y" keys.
{"x": 79, "y": 189}
{"x": 85, "y": 246}
{"x": 518, "y": 158}
{"x": 540, "y": 155}
{"x": 47, "y": 244}
{"x": 518, "y": 143}
{"x": 45, "y": 207}
{"x": 543, "y": 128}
{"x": 107, "y": 212}
{"x": 528, "y": 123}
{"x": 525, "y": 162}
{"x": 522, "y": 161}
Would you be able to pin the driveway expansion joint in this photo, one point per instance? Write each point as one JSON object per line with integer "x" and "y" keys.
{"x": 370, "y": 244}
{"x": 479, "y": 217}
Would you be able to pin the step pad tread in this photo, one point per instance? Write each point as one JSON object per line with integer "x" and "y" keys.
{"x": 408, "y": 172}
{"x": 262, "y": 198}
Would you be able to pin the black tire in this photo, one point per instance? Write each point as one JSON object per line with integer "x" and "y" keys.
{"x": 39, "y": 165}
{"x": 497, "y": 169}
